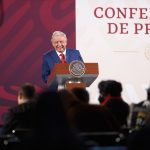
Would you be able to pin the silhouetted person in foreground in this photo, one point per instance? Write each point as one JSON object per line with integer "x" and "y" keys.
{"x": 92, "y": 118}
{"x": 52, "y": 130}
{"x": 22, "y": 115}
{"x": 112, "y": 99}
{"x": 141, "y": 112}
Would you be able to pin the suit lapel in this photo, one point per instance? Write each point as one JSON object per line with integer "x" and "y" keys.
{"x": 55, "y": 57}
{"x": 68, "y": 56}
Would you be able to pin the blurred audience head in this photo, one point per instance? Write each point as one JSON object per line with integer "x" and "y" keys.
{"x": 82, "y": 94}
{"x": 113, "y": 88}
{"x": 102, "y": 90}
{"x": 69, "y": 100}
{"x": 109, "y": 88}
{"x": 26, "y": 93}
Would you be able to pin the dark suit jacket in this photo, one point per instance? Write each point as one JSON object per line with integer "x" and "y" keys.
{"x": 19, "y": 117}
{"x": 51, "y": 58}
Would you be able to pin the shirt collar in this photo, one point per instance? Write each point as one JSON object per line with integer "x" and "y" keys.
{"x": 58, "y": 53}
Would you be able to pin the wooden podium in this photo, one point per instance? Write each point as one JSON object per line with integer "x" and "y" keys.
{"x": 64, "y": 78}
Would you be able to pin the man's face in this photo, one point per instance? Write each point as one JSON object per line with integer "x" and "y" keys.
{"x": 59, "y": 43}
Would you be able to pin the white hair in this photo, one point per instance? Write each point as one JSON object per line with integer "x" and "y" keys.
{"x": 59, "y": 33}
